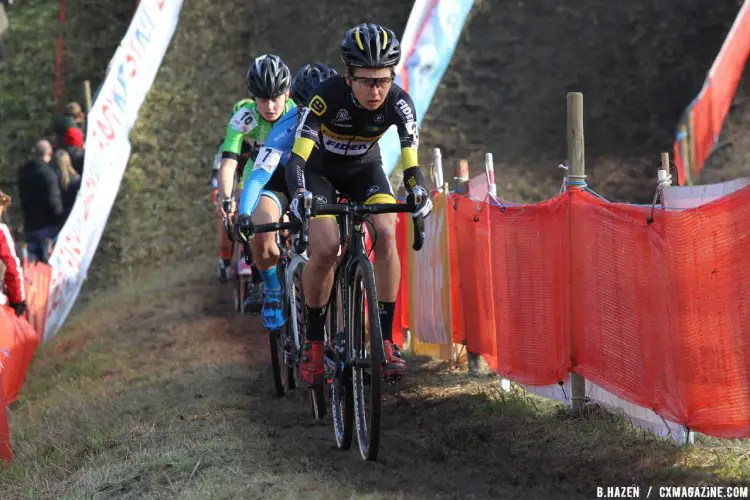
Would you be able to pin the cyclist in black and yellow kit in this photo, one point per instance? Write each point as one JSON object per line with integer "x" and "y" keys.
{"x": 336, "y": 149}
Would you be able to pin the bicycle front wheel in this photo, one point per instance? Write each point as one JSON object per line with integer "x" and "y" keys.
{"x": 367, "y": 358}
{"x": 342, "y": 402}
{"x": 296, "y": 321}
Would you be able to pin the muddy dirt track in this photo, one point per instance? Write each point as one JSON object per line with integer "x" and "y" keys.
{"x": 436, "y": 442}
{"x": 445, "y": 434}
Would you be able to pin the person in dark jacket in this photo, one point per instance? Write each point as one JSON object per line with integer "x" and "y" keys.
{"x": 41, "y": 201}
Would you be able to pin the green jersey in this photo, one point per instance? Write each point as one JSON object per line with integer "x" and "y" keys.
{"x": 247, "y": 126}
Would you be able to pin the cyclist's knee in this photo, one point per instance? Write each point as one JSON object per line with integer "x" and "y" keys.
{"x": 264, "y": 217}
{"x": 324, "y": 250}
{"x": 266, "y": 212}
{"x": 324, "y": 241}
{"x": 265, "y": 250}
{"x": 385, "y": 227}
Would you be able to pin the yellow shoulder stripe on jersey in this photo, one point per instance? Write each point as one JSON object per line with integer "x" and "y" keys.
{"x": 359, "y": 40}
{"x": 409, "y": 158}
{"x": 317, "y": 105}
{"x": 303, "y": 147}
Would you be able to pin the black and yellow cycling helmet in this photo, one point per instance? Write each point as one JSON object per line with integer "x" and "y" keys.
{"x": 370, "y": 46}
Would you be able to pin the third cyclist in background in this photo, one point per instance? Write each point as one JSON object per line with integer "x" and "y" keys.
{"x": 265, "y": 197}
{"x": 268, "y": 82}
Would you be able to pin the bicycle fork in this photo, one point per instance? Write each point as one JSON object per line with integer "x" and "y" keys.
{"x": 335, "y": 359}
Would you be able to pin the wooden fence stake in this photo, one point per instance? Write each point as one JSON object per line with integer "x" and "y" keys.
{"x": 576, "y": 180}
{"x": 87, "y": 95}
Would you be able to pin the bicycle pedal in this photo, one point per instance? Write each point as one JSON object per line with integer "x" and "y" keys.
{"x": 393, "y": 379}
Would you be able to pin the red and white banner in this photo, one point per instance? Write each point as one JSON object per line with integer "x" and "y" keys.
{"x": 129, "y": 78}
{"x": 700, "y": 126}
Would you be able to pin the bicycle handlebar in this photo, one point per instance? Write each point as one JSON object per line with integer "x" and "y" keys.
{"x": 276, "y": 226}
{"x": 375, "y": 209}
{"x": 314, "y": 209}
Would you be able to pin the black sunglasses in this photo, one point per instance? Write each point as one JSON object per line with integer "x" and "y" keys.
{"x": 373, "y": 82}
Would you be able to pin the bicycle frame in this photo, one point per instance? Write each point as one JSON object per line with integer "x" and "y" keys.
{"x": 289, "y": 264}
{"x": 293, "y": 263}
{"x": 354, "y": 250}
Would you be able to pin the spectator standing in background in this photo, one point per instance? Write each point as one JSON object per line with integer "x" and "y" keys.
{"x": 60, "y": 125}
{"x": 73, "y": 145}
{"x": 14, "y": 292}
{"x": 69, "y": 136}
{"x": 74, "y": 110}
{"x": 41, "y": 201}
{"x": 70, "y": 181}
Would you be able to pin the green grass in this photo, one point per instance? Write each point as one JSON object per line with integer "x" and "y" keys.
{"x": 597, "y": 433}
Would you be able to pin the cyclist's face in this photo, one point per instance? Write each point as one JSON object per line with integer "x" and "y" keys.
{"x": 271, "y": 109}
{"x": 370, "y": 86}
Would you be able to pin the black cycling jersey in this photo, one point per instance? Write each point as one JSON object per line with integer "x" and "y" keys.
{"x": 336, "y": 124}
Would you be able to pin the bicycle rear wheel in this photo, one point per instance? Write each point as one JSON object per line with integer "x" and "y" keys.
{"x": 341, "y": 394}
{"x": 317, "y": 394}
{"x": 367, "y": 358}
{"x": 278, "y": 361}
{"x": 240, "y": 293}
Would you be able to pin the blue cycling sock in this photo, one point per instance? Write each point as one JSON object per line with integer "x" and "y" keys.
{"x": 270, "y": 278}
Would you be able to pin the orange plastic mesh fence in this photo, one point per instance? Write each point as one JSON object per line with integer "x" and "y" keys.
{"x": 37, "y": 280}
{"x": 513, "y": 263}
{"x": 654, "y": 313}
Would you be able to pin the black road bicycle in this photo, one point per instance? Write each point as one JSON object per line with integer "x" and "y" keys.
{"x": 286, "y": 342}
{"x": 354, "y": 355}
